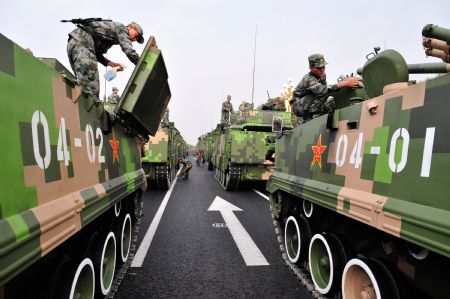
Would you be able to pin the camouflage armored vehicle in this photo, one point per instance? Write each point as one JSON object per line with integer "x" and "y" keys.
{"x": 72, "y": 180}
{"x": 161, "y": 156}
{"x": 363, "y": 197}
{"x": 240, "y": 152}
{"x": 212, "y": 138}
{"x": 205, "y": 146}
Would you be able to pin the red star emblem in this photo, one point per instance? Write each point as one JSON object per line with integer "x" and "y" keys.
{"x": 115, "y": 147}
{"x": 318, "y": 150}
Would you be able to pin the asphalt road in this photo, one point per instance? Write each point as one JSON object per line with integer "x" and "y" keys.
{"x": 193, "y": 254}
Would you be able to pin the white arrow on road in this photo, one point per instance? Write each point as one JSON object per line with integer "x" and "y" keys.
{"x": 249, "y": 251}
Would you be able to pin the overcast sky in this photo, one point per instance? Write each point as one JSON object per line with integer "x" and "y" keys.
{"x": 208, "y": 45}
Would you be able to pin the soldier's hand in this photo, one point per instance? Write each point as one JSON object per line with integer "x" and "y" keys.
{"x": 350, "y": 82}
{"x": 115, "y": 64}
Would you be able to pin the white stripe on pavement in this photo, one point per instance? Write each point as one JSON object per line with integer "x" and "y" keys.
{"x": 262, "y": 194}
{"x": 145, "y": 244}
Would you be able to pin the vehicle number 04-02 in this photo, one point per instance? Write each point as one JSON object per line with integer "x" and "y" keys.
{"x": 62, "y": 152}
{"x": 395, "y": 166}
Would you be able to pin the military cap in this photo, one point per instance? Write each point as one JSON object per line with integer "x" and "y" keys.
{"x": 139, "y": 30}
{"x": 317, "y": 60}
{"x": 115, "y": 88}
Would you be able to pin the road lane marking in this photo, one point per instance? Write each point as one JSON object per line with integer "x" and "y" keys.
{"x": 141, "y": 253}
{"x": 260, "y": 193}
{"x": 249, "y": 251}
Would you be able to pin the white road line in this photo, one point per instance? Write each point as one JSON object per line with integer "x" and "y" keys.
{"x": 145, "y": 244}
{"x": 260, "y": 193}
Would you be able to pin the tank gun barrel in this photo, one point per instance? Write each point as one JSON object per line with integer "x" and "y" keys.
{"x": 423, "y": 68}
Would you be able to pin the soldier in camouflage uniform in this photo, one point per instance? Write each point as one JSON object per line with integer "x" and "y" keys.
{"x": 87, "y": 45}
{"x": 311, "y": 94}
{"x": 227, "y": 110}
{"x": 165, "y": 118}
{"x": 114, "y": 97}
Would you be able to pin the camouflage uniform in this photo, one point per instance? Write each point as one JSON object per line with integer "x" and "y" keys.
{"x": 311, "y": 94}
{"x": 84, "y": 50}
{"x": 165, "y": 118}
{"x": 113, "y": 98}
{"x": 227, "y": 109}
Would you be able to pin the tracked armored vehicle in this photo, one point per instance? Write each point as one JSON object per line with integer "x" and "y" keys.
{"x": 161, "y": 155}
{"x": 207, "y": 143}
{"x": 240, "y": 151}
{"x": 72, "y": 181}
{"x": 361, "y": 195}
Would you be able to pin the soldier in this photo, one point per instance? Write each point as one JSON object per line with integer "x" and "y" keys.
{"x": 187, "y": 165}
{"x": 227, "y": 110}
{"x": 311, "y": 94}
{"x": 114, "y": 97}
{"x": 87, "y": 45}
{"x": 165, "y": 118}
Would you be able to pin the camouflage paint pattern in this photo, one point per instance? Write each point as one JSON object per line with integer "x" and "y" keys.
{"x": 387, "y": 169}
{"x": 245, "y": 144}
{"x": 59, "y": 172}
{"x": 163, "y": 149}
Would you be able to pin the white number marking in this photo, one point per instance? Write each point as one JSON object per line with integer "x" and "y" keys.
{"x": 42, "y": 162}
{"x": 427, "y": 152}
{"x": 62, "y": 153}
{"x": 400, "y": 132}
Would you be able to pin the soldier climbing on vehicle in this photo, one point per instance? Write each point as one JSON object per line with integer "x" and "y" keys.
{"x": 311, "y": 96}
{"x": 91, "y": 40}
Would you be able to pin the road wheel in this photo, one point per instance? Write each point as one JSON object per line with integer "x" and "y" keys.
{"x": 123, "y": 236}
{"x": 83, "y": 282}
{"x": 327, "y": 258}
{"x": 297, "y": 235}
{"x": 368, "y": 279}
{"x": 105, "y": 263}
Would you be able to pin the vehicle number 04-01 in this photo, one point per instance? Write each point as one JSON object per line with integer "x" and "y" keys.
{"x": 62, "y": 152}
{"x": 395, "y": 166}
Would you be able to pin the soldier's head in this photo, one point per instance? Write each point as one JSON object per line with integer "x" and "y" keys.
{"x": 317, "y": 64}
{"x": 115, "y": 90}
{"x": 135, "y": 32}
{"x": 228, "y": 98}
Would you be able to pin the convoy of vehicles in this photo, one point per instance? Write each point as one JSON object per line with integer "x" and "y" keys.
{"x": 359, "y": 195}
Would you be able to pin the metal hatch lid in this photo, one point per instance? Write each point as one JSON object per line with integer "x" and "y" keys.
{"x": 147, "y": 93}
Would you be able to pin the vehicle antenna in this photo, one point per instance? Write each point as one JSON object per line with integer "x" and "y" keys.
{"x": 254, "y": 64}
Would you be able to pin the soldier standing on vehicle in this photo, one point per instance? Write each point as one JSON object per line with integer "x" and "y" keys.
{"x": 311, "y": 94}
{"x": 114, "y": 98}
{"x": 227, "y": 110}
{"x": 88, "y": 43}
{"x": 165, "y": 118}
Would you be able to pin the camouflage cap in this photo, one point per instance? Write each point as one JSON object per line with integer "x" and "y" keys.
{"x": 139, "y": 30}
{"x": 316, "y": 60}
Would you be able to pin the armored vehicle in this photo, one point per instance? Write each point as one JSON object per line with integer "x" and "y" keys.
{"x": 161, "y": 155}
{"x": 361, "y": 195}
{"x": 72, "y": 180}
{"x": 240, "y": 151}
{"x": 213, "y": 138}
{"x": 206, "y": 144}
